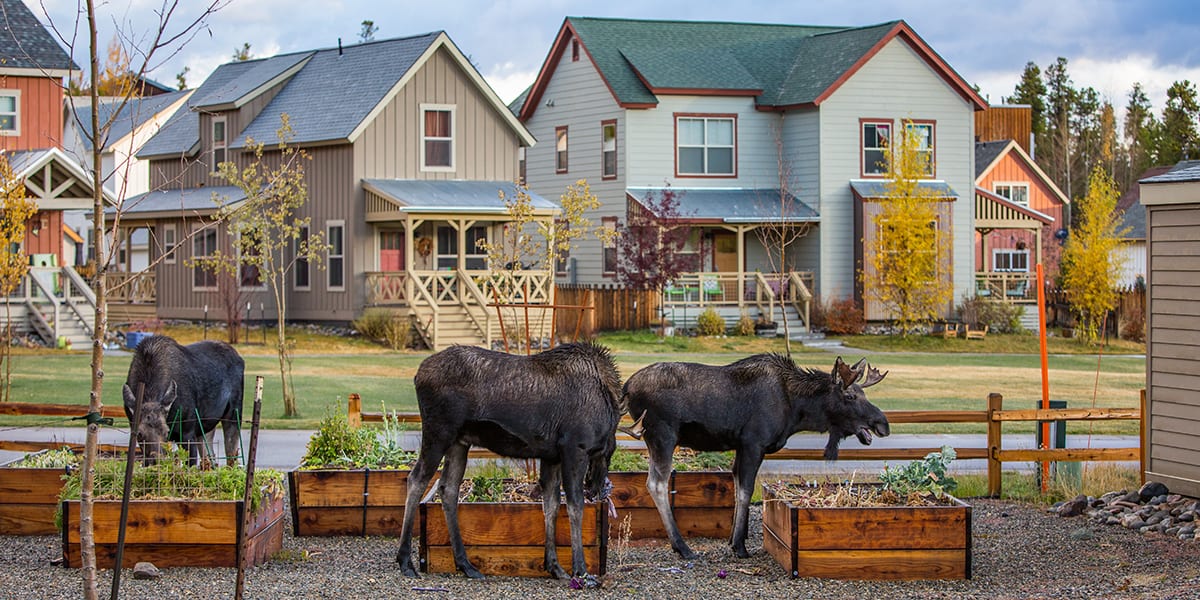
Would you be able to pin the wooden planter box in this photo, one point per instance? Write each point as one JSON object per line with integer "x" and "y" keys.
{"x": 702, "y": 502}
{"x": 507, "y": 538}
{"x": 28, "y": 500}
{"x": 348, "y": 502}
{"x": 177, "y": 533}
{"x": 887, "y": 542}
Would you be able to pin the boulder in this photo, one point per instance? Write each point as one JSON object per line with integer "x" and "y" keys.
{"x": 1152, "y": 489}
{"x": 146, "y": 570}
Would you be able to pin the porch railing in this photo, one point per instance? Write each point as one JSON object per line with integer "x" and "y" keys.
{"x": 764, "y": 291}
{"x": 1014, "y": 287}
{"x": 132, "y": 288}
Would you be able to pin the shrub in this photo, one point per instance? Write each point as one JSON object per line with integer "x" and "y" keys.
{"x": 385, "y": 327}
{"x": 844, "y": 317}
{"x": 710, "y": 323}
{"x": 744, "y": 326}
{"x": 1134, "y": 328}
{"x": 999, "y": 316}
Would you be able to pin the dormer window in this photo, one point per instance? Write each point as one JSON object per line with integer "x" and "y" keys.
{"x": 218, "y": 143}
{"x": 437, "y": 137}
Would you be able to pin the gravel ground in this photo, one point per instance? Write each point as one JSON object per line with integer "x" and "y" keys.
{"x": 1019, "y": 552}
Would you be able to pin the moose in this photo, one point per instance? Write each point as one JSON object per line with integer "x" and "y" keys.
{"x": 560, "y": 406}
{"x": 188, "y": 391}
{"x": 751, "y": 406}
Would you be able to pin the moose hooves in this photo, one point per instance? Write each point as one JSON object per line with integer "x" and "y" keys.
{"x": 471, "y": 572}
{"x": 556, "y": 571}
{"x": 741, "y": 552}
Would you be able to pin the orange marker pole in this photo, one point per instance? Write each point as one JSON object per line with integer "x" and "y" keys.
{"x": 1041, "y": 304}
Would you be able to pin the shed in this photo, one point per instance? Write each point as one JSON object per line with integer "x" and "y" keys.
{"x": 1172, "y": 443}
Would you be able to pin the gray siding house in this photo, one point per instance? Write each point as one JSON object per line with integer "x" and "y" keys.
{"x": 749, "y": 124}
{"x": 410, "y": 149}
{"x": 1172, "y": 443}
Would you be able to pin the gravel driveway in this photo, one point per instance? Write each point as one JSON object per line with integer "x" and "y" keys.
{"x": 1020, "y": 551}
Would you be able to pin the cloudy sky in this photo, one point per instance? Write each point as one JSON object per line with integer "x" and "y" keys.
{"x": 1110, "y": 44}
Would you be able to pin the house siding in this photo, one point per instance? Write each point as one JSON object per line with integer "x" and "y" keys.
{"x": 1173, "y": 352}
{"x": 40, "y": 112}
{"x": 1010, "y": 169}
{"x": 485, "y": 146}
{"x": 581, "y": 101}
{"x": 894, "y": 84}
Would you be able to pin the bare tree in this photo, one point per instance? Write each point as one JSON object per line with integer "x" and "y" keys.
{"x": 147, "y": 50}
{"x": 782, "y": 228}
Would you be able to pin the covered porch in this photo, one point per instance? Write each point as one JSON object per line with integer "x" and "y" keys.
{"x": 1007, "y": 273}
{"x": 737, "y": 235}
{"x": 430, "y": 268}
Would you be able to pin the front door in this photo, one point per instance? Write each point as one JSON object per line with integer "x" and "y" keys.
{"x": 391, "y": 251}
{"x": 725, "y": 253}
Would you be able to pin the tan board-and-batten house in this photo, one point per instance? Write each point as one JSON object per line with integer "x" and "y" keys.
{"x": 410, "y": 151}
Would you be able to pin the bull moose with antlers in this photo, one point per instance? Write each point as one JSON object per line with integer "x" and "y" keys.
{"x": 751, "y": 406}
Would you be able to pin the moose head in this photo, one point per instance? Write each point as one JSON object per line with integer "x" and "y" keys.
{"x": 152, "y": 429}
{"x": 849, "y": 411}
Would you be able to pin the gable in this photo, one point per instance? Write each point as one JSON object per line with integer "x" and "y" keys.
{"x": 27, "y": 47}
{"x": 1012, "y": 165}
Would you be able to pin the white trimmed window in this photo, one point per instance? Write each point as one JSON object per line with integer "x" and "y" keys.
{"x": 336, "y": 267}
{"x": 610, "y": 245}
{"x": 204, "y": 245}
{"x": 706, "y": 146}
{"x": 924, "y": 132}
{"x": 219, "y": 143}
{"x": 10, "y": 112}
{"x": 169, "y": 241}
{"x": 301, "y": 271}
{"x": 437, "y": 137}
{"x": 249, "y": 275}
{"x": 560, "y": 149}
{"x": 608, "y": 149}
{"x": 876, "y": 137}
{"x": 1017, "y": 192}
{"x": 1008, "y": 259}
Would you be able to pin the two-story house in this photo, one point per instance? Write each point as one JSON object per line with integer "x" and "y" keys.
{"x": 52, "y": 301}
{"x": 750, "y": 125}
{"x": 410, "y": 151}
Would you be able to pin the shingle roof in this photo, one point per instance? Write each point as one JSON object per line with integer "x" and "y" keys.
{"x": 183, "y": 201}
{"x": 877, "y": 188}
{"x": 25, "y": 43}
{"x": 731, "y": 205}
{"x": 136, "y": 111}
{"x": 1184, "y": 170}
{"x": 326, "y": 99}
{"x": 427, "y": 195}
{"x": 986, "y": 153}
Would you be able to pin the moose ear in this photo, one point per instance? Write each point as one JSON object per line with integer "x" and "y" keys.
{"x": 127, "y": 395}
{"x": 169, "y": 396}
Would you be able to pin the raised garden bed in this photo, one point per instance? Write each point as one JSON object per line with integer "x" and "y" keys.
{"x": 508, "y": 537}
{"x": 29, "y": 497}
{"x": 177, "y": 533}
{"x": 701, "y": 492}
{"x": 930, "y": 541}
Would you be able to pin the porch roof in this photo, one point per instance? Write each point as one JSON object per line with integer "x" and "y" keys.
{"x": 877, "y": 188}
{"x": 430, "y": 196}
{"x": 997, "y": 212}
{"x": 731, "y": 205}
{"x": 182, "y": 202}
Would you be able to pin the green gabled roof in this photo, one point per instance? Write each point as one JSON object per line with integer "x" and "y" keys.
{"x": 781, "y": 65}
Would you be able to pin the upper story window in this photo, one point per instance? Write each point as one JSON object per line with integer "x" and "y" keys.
{"x": 923, "y": 130}
{"x": 10, "y": 112}
{"x": 574, "y": 50}
{"x": 521, "y": 165}
{"x": 1017, "y": 192}
{"x": 876, "y": 137}
{"x": 169, "y": 242}
{"x": 560, "y": 149}
{"x": 608, "y": 149}
{"x": 706, "y": 145}
{"x": 218, "y": 143}
{"x": 437, "y": 137}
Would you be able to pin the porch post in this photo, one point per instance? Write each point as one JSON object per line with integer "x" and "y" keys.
{"x": 409, "y": 231}
{"x": 1037, "y": 243}
{"x": 983, "y": 237}
{"x": 741, "y": 266}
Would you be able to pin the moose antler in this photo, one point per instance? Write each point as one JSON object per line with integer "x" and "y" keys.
{"x": 873, "y": 377}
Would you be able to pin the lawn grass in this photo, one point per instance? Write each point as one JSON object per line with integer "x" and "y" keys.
{"x": 993, "y": 343}
{"x": 327, "y": 368}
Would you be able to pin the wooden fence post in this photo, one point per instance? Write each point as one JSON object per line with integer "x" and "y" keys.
{"x": 1142, "y": 439}
{"x": 354, "y": 410}
{"x": 995, "y": 402}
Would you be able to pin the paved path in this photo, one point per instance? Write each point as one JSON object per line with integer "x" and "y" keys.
{"x": 282, "y": 449}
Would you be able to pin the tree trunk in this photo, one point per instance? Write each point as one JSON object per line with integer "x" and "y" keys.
{"x": 87, "y": 541}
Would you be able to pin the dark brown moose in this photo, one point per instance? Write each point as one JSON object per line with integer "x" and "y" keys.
{"x": 189, "y": 391}
{"x": 751, "y": 406}
{"x": 559, "y": 406}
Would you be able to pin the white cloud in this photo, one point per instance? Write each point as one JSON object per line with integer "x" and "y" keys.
{"x": 509, "y": 81}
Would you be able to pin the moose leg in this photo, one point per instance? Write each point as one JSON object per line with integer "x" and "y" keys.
{"x": 658, "y": 483}
{"x": 745, "y": 469}
{"x": 574, "y": 469}
{"x": 418, "y": 479}
{"x": 551, "y": 481}
{"x": 452, "y": 476}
